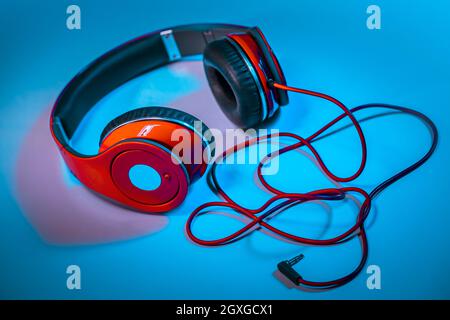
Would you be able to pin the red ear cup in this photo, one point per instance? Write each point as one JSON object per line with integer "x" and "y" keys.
{"x": 166, "y": 127}
{"x": 256, "y": 48}
{"x": 252, "y": 54}
{"x": 276, "y": 73}
{"x": 174, "y": 149}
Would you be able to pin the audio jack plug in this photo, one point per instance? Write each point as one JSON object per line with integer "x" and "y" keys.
{"x": 286, "y": 268}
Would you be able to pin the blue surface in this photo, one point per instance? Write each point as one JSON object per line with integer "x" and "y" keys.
{"x": 323, "y": 46}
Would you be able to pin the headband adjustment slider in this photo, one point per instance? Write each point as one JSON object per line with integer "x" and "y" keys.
{"x": 170, "y": 44}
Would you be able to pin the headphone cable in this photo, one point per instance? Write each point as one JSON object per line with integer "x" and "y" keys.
{"x": 258, "y": 216}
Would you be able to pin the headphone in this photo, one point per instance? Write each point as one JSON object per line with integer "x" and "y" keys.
{"x": 249, "y": 86}
{"x": 238, "y": 63}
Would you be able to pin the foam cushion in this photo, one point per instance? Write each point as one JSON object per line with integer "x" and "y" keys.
{"x": 232, "y": 83}
{"x": 168, "y": 114}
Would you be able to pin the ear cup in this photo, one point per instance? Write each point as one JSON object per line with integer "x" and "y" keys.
{"x": 233, "y": 85}
{"x": 173, "y": 130}
{"x": 276, "y": 71}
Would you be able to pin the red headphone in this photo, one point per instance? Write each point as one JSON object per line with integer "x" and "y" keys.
{"x": 249, "y": 86}
{"x": 238, "y": 63}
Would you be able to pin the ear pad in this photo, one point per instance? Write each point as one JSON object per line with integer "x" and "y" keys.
{"x": 232, "y": 83}
{"x": 162, "y": 113}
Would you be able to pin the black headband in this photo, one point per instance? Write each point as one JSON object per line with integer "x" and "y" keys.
{"x": 124, "y": 63}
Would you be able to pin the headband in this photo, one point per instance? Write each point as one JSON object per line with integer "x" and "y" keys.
{"x": 124, "y": 63}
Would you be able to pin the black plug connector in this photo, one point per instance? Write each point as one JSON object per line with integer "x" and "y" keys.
{"x": 286, "y": 269}
{"x": 271, "y": 82}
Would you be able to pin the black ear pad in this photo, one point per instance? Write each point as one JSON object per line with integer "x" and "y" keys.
{"x": 162, "y": 113}
{"x": 232, "y": 83}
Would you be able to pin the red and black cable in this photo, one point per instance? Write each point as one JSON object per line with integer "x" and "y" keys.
{"x": 257, "y": 216}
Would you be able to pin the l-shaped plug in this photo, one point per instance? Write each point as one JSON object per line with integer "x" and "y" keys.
{"x": 286, "y": 268}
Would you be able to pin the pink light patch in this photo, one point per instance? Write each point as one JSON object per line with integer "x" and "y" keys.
{"x": 64, "y": 213}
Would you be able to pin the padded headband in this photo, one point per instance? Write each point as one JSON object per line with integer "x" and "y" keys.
{"x": 124, "y": 63}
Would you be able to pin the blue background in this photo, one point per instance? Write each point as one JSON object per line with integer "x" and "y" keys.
{"x": 323, "y": 46}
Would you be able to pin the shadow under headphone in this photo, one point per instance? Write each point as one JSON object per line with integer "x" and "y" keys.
{"x": 249, "y": 86}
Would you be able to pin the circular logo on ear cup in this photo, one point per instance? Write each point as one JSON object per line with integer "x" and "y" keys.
{"x": 152, "y": 177}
